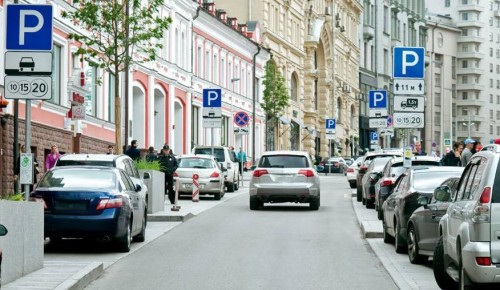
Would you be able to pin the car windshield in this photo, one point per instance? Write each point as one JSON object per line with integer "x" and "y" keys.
{"x": 283, "y": 161}
{"x": 195, "y": 162}
{"x": 79, "y": 178}
{"x": 379, "y": 163}
{"x": 218, "y": 153}
{"x": 428, "y": 181}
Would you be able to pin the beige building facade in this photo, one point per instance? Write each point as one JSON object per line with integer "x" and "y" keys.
{"x": 314, "y": 44}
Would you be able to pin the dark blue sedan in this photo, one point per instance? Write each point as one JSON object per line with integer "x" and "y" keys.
{"x": 92, "y": 202}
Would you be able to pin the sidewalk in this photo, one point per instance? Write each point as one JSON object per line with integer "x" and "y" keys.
{"x": 71, "y": 271}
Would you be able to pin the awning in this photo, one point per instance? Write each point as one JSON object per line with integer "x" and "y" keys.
{"x": 284, "y": 120}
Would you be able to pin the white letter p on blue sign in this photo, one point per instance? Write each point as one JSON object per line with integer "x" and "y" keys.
{"x": 408, "y": 62}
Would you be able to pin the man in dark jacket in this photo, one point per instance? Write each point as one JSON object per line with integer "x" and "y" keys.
{"x": 168, "y": 165}
{"x": 452, "y": 158}
{"x": 133, "y": 152}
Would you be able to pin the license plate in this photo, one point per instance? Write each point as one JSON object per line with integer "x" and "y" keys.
{"x": 187, "y": 185}
{"x": 70, "y": 205}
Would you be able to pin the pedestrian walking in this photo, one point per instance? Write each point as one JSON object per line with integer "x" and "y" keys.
{"x": 453, "y": 158}
{"x": 168, "y": 165}
{"x": 111, "y": 150}
{"x": 133, "y": 152}
{"x": 152, "y": 156}
{"x": 467, "y": 153}
{"x": 242, "y": 157}
{"x": 51, "y": 159}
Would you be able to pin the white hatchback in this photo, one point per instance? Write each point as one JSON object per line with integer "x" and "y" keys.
{"x": 352, "y": 172}
{"x": 285, "y": 176}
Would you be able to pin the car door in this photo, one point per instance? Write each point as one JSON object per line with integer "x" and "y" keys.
{"x": 390, "y": 203}
{"x": 439, "y": 210}
{"x": 135, "y": 200}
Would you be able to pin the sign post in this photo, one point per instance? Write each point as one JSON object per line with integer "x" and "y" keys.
{"x": 212, "y": 111}
{"x": 28, "y": 60}
{"x": 377, "y": 103}
{"x": 241, "y": 119}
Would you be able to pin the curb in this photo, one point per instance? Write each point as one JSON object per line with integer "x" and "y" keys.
{"x": 169, "y": 218}
{"x": 82, "y": 278}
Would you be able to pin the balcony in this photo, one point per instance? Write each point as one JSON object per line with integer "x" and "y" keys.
{"x": 470, "y": 7}
{"x": 470, "y": 39}
{"x": 470, "y": 87}
{"x": 368, "y": 32}
{"x": 470, "y": 54}
{"x": 470, "y": 23}
{"x": 468, "y": 103}
{"x": 470, "y": 71}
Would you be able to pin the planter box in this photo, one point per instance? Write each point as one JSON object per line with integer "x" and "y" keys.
{"x": 156, "y": 189}
{"x": 22, "y": 247}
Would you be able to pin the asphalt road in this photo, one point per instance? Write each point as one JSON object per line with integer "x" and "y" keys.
{"x": 280, "y": 247}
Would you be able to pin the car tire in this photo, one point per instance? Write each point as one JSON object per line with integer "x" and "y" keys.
{"x": 125, "y": 242}
{"x": 413, "y": 255}
{"x": 254, "y": 203}
{"x": 398, "y": 244}
{"x": 442, "y": 278}
{"x": 237, "y": 184}
{"x": 314, "y": 203}
{"x": 363, "y": 201}
{"x": 388, "y": 239}
{"x": 352, "y": 184}
{"x": 230, "y": 187}
{"x": 380, "y": 214}
{"x": 359, "y": 193}
{"x": 370, "y": 203}
{"x": 141, "y": 237}
{"x": 218, "y": 196}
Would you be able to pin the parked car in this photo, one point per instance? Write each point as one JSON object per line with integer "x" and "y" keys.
{"x": 403, "y": 202}
{"x": 392, "y": 170}
{"x": 352, "y": 172}
{"x": 211, "y": 176}
{"x": 333, "y": 165}
{"x": 372, "y": 175}
{"x": 228, "y": 158}
{"x": 92, "y": 202}
{"x": 363, "y": 166}
{"x": 423, "y": 225}
{"x": 285, "y": 176}
{"x": 3, "y": 232}
{"x": 121, "y": 161}
{"x": 468, "y": 250}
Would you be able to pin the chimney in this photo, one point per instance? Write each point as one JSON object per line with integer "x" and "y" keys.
{"x": 210, "y": 7}
{"x": 233, "y": 22}
{"x": 222, "y": 15}
{"x": 242, "y": 28}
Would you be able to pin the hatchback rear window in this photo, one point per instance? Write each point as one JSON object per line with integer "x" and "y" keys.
{"x": 283, "y": 161}
{"x": 79, "y": 178}
{"x": 195, "y": 163}
{"x": 218, "y": 153}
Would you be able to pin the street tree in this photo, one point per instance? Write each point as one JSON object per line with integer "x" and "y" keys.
{"x": 275, "y": 98}
{"x": 114, "y": 30}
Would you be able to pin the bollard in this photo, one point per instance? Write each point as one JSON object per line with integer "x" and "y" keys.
{"x": 176, "y": 207}
{"x": 196, "y": 189}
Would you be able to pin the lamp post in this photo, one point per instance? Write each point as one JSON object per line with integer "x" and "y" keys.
{"x": 233, "y": 80}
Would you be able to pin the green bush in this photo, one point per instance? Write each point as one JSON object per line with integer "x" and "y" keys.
{"x": 14, "y": 197}
{"x": 147, "y": 165}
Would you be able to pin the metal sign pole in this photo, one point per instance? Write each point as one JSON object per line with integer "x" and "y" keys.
{"x": 241, "y": 162}
{"x": 28, "y": 145}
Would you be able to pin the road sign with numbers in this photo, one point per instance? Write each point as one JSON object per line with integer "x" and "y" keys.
{"x": 408, "y": 120}
{"x": 28, "y": 87}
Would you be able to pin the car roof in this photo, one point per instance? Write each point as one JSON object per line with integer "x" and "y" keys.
{"x": 197, "y": 156}
{"x": 286, "y": 152}
{"x": 94, "y": 157}
{"x": 438, "y": 169}
{"x": 87, "y": 167}
{"x": 414, "y": 158}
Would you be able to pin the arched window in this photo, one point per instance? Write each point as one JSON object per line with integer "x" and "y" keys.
{"x": 293, "y": 87}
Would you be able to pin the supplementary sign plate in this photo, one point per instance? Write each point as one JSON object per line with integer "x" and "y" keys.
{"x": 409, "y": 103}
{"x": 28, "y": 87}
{"x": 26, "y": 63}
{"x": 408, "y": 120}
{"x": 408, "y": 86}
{"x": 378, "y": 122}
{"x": 212, "y": 123}
{"x": 378, "y": 113}
{"x": 212, "y": 112}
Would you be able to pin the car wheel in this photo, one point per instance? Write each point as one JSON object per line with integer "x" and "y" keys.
{"x": 141, "y": 237}
{"x": 217, "y": 196}
{"x": 237, "y": 184}
{"x": 363, "y": 201}
{"x": 314, "y": 203}
{"x": 442, "y": 278}
{"x": 388, "y": 239}
{"x": 254, "y": 203}
{"x": 359, "y": 193}
{"x": 352, "y": 184}
{"x": 230, "y": 187}
{"x": 125, "y": 242}
{"x": 413, "y": 255}
{"x": 370, "y": 203}
{"x": 380, "y": 214}
{"x": 398, "y": 243}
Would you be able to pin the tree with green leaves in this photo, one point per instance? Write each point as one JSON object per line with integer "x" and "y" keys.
{"x": 275, "y": 98}
{"x": 114, "y": 30}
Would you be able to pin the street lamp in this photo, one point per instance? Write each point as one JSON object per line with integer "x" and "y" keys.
{"x": 233, "y": 80}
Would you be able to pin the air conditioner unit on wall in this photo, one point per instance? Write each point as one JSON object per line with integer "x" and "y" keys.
{"x": 347, "y": 88}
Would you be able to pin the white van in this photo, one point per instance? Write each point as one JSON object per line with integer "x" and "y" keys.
{"x": 228, "y": 158}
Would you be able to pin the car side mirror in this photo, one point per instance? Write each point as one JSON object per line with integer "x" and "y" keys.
{"x": 3, "y": 230}
{"x": 138, "y": 188}
{"x": 146, "y": 175}
{"x": 423, "y": 201}
{"x": 359, "y": 164}
{"x": 442, "y": 193}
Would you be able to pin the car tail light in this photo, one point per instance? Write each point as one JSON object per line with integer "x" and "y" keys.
{"x": 482, "y": 209}
{"x": 109, "y": 203}
{"x": 483, "y": 261}
{"x": 215, "y": 174}
{"x": 259, "y": 172}
{"x": 387, "y": 182}
{"x": 350, "y": 169}
{"x": 175, "y": 174}
{"x": 306, "y": 172}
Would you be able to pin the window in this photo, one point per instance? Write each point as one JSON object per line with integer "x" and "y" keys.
{"x": 224, "y": 132}
{"x": 293, "y": 87}
{"x": 498, "y": 115}
{"x": 111, "y": 98}
{"x": 446, "y": 3}
{"x": 491, "y": 129}
{"x": 465, "y": 32}
{"x": 437, "y": 80}
{"x": 491, "y": 115}
{"x": 464, "y": 96}
{"x": 491, "y": 67}
{"x": 498, "y": 99}
{"x": 207, "y": 65}
{"x": 199, "y": 63}
{"x": 223, "y": 72}
{"x": 56, "y": 74}
{"x": 491, "y": 83}
{"x": 195, "y": 129}
{"x": 465, "y": 48}
{"x": 491, "y": 98}
{"x": 491, "y": 51}
{"x": 91, "y": 82}
{"x": 464, "y": 64}
{"x": 465, "y": 79}
{"x": 465, "y": 16}
{"x": 453, "y": 67}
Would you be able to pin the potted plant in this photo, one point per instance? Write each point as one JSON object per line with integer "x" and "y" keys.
{"x": 154, "y": 179}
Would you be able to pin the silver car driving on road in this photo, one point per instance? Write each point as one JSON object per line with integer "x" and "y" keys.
{"x": 285, "y": 176}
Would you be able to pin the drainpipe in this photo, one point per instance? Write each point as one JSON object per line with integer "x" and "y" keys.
{"x": 192, "y": 42}
{"x": 254, "y": 97}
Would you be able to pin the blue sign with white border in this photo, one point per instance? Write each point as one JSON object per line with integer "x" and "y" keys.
{"x": 29, "y": 27}
{"x": 373, "y": 136}
{"x": 330, "y": 124}
{"x": 212, "y": 98}
{"x": 377, "y": 99}
{"x": 408, "y": 62}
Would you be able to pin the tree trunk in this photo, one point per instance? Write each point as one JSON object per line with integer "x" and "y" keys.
{"x": 118, "y": 115}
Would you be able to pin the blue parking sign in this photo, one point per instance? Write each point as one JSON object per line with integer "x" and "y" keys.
{"x": 212, "y": 98}
{"x": 373, "y": 136}
{"x": 29, "y": 27}
{"x": 408, "y": 62}
{"x": 377, "y": 99}
{"x": 330, "y": 124}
